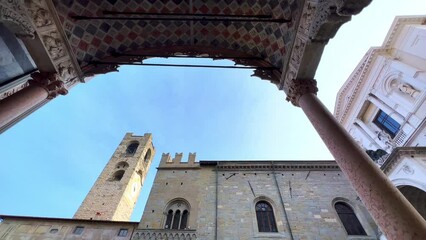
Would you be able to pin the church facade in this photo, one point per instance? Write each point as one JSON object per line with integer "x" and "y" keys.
{"x": 208, "y": 200}
{"x": 383, "y": 106}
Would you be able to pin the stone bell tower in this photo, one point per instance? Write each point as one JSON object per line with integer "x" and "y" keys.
{"x": 115, "y": 192}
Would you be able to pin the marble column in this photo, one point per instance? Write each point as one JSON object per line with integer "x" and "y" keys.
{"x": 42, "y": 86}
{"x": 392, "y": 212}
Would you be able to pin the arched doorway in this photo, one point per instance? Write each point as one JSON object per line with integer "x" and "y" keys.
{"x": 416, "y": 197}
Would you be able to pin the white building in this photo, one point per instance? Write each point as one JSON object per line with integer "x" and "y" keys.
{"x": 383, "y": 106}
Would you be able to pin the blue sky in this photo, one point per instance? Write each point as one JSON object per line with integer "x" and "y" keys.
{"x": 51, "y": 159}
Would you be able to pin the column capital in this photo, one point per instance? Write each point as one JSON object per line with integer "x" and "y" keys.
{"x": 299, "y": 87}
{"x": 50, "y": 82}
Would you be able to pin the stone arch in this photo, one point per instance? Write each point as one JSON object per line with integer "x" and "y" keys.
{"x": 14, "y": 17}
{"x": 176, "y": 214}
{"x": 107, "y": 32}
{"x": 264, "y": 69}
{"x": 132, "y": 147}
{"x": 416, "y": 196}
{"x": 263, "y": 198}
{"x": 117, "y": 176}
{"x": 356, "y": 209}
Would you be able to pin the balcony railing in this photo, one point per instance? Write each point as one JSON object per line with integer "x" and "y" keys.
{"x": 164, "y": 234}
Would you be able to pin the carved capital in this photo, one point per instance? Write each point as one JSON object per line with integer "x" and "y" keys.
{"x": 14, "y": 16}
{"x": 299, "y": 87}
{"x": 50, "y": 82}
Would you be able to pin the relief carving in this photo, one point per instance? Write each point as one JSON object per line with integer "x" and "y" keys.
{"x": 39, "y": 14}
{"x": 54, "y": 45}
{"x": 14, "y": 16}
{"x": 50, "y": 82}
{"x": 298, "y": 88}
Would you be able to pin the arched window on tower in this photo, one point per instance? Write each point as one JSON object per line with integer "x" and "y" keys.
{"x": 349, "y": 219}
{"x": 131, "y": 149}
{"x": 147, "y": 155}
{"x": 169, "y": 218}
{"x": 117, "y": 176}
{"x": 177, "y": 215}
{"x": 265, "y": 217}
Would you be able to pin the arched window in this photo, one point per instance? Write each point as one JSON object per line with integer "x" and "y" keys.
{"x": 265, "y": 217}
{"x": 147, "y": 155}
{"x": 168, "y": 224}
{"x": 131, "y": 149}
{"x": 349, "y": 219}
{"x": 184, "y": 219}
{"x": 118, "y": 175}
{"x": 176, "y": 219}
{"x": 177, "y": 215}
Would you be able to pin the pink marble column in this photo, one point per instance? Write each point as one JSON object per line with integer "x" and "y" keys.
{"x": 395, "y": 216}
{"x": 42, "y": 86}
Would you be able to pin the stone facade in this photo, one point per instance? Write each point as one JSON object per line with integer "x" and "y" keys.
{"x": 219, "y": 198}
{"x": 115, "y": 192}
{"x": 13, "y": 228}
{"x": 222, "y": 195}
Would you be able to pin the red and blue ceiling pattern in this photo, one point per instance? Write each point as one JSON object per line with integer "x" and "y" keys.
{"x": 97, "y": 39}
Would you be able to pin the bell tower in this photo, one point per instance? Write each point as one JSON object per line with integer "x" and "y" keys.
{"x": 115, "y": 192}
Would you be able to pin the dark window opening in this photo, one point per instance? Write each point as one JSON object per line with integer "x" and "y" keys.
{"x": 147, "y": 155}
{"x": 265, "y": 217}
{"x": 118, "y": 175}
{"x": 131, "y": 149}
{"x": 169, "y": 220}
{"x": 184, "y": 220}
{"x": 387, "y": 123}
{"x": 78, "y": 230}
{"x": 349, "y": 219}
{"x": 176, "y": 219}
{"x": 123, "y": 232}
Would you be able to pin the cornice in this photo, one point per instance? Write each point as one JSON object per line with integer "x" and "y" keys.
{"x": 396, "y": 157}
{"x": 354, "y": 84}
{"x": 398, "y": 24}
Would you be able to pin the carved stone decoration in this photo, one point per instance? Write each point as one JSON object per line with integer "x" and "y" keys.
{"x": 66, "y": 71}
{"x": 351, "y": 7}
{"x": 54, "y": 45}
{"x": 50, "y": 82}
{"x": 300, "y": 87}
{"x": 40, "y": 15}
{"x": 13, "y": 90}
{"x": 49, "y": 29}
{"x": 267, "y": 74}
{"x": 407, "y": 169}
{"x": 14, "y": 16}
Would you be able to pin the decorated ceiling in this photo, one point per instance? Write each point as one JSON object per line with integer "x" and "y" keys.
{"x": 103, "y": 29}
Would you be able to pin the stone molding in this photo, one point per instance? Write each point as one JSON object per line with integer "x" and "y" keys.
{"x": 319, "y": 22}
{"x": 300, "y": 87}
{"x": 145, "y": 234}
{"x": 398, "y": 24}
{"x": 397, "y": 155}
{"x": 14, "y": 87}
{"x": 49, "y": 29}
{"x": 314, "y": 14}
{"x": 279, "y": 167}
{"x": 14, "y": 15}
{"x": 50, "y": 82}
